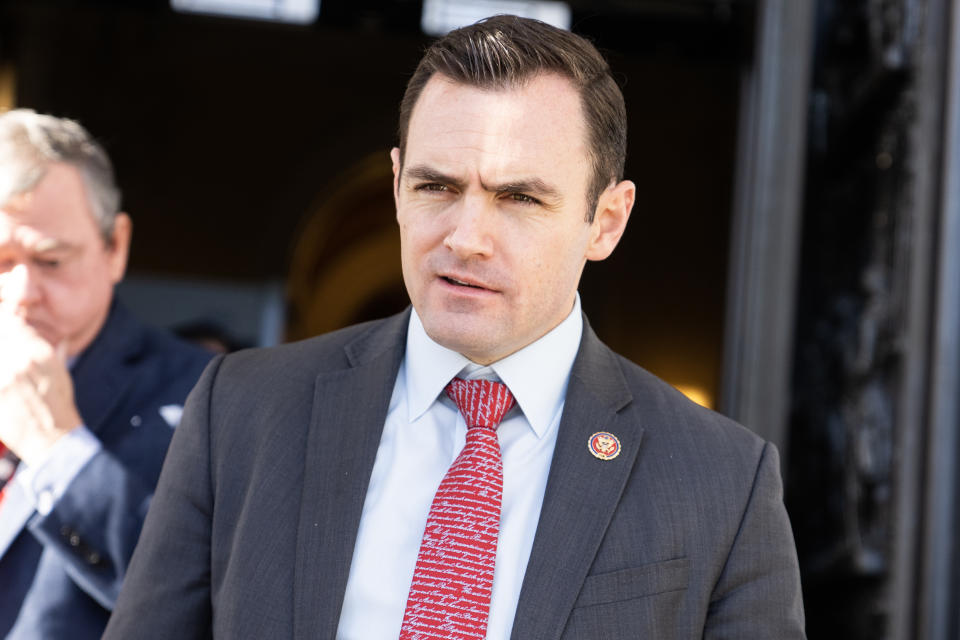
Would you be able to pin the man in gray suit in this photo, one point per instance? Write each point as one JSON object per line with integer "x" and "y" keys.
{"x": 299, "y": 484}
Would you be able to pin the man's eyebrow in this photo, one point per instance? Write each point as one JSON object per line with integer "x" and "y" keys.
{"x": 534, "y": 186}
{"x": 52, "y": 245}
{"x": 424, "y": 173}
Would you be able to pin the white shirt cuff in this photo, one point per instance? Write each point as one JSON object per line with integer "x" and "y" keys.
{"x": 45, "y": 482}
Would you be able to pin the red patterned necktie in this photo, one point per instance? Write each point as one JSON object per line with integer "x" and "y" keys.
{"x": 450, "y": 593}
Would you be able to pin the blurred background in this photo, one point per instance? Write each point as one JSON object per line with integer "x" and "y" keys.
{"x": 793, "y": 260}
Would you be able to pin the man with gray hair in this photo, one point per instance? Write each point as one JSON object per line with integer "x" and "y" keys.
{"x": 88, "y": 395}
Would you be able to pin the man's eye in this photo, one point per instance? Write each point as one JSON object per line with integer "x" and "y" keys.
{"x": 47, "y": 263}
{"x": 431, "y": 186}
{"x": 522, "y": 197}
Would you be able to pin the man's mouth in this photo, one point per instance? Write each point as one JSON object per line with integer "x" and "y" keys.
{"x": 461, "y": 283}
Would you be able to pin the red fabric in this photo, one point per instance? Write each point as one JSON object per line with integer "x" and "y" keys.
{"x": 4, "y": 478}
{"x": 449, "y": 597}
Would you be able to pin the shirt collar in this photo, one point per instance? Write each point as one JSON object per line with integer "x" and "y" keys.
{"x": 537, "y": 375}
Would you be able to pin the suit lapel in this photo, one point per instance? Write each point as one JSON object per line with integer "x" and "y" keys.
{"x": 100, "y": 376}
{"x": 582, "y": 491}
{"x": 349, "y": 411}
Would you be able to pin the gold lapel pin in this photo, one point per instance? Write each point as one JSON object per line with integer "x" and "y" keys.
{"x": 604, "y": 445}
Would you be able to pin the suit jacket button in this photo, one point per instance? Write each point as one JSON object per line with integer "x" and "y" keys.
{"x": 93, "y": 558}
{"x": 74, "y": 540}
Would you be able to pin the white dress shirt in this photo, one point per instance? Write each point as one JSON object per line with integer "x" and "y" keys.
{"x": 47, "y": 480}
{"x": 422, "y": 436}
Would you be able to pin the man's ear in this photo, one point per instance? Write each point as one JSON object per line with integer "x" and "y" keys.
{"x": 610, "y": 219}
{"x": 119, "y": 246}
{"x": 395, "y": 158}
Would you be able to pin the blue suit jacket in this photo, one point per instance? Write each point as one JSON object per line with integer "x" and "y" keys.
{"x": 60, "y": 573}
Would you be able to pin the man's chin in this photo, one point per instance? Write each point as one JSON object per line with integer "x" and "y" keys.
{"x": 474, "y": 342}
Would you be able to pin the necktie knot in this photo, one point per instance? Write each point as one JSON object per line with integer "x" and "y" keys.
{"x": 483, "y": 403}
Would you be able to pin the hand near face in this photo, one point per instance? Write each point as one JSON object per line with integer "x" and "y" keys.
{"x": 36, "y": 391}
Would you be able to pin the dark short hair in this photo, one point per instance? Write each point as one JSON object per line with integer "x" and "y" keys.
{"x": 503, "y": 52}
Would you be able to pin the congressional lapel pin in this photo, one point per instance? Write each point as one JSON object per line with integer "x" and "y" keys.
{"x": 604, "y": 445}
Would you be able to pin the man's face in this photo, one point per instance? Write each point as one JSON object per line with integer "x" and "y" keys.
{"x": 492, "y": 206}
{"x": 56, "y": 271}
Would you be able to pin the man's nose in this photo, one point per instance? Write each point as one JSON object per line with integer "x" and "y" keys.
{"x": 19, "y": 286}
{"x": 471, "y": 230}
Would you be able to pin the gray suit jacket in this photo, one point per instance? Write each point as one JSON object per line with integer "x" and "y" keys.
{"x": 251, "y": 531}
